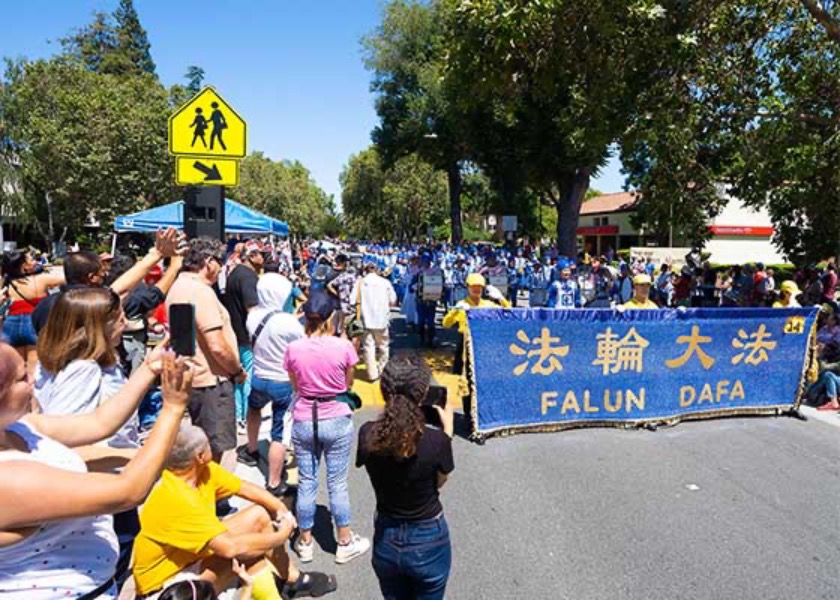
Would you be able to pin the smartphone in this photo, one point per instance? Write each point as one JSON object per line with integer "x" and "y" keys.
{"x": 436, "y": 396}
{"x": 182, "y": 329}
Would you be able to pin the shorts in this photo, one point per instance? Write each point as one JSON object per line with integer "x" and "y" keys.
{"x": 189, "y": 573}
{"x": 279, "y": 394}
{"x": 18, "y": 331}
{"x": 213, "y": 409}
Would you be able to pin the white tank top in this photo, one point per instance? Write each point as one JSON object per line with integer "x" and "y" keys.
{"x": 62, "y": 559}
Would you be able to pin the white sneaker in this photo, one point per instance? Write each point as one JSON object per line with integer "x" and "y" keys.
{"x": 304, "y": 551}
{"x": 357, "y": 546}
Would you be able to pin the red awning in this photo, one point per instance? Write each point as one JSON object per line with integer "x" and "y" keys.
{"x": 602, "y": 230}
{"x": 741, "y": 230}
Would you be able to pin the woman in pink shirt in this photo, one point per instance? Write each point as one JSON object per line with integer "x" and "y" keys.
{"x": 320, "y": 367}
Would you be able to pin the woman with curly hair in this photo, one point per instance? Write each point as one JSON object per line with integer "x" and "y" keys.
{"x": 408, "y": 462}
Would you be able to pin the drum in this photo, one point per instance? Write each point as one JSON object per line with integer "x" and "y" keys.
{"x": 500, "y": 282}
{"x": 432, "y": 287}
{"x": 538, "y": 297}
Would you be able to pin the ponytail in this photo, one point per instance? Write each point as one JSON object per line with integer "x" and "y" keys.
{"x": 399, "y": 430}
{"x": 404, "y": 384}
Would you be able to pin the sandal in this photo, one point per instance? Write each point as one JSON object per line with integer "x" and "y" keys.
{"x": 308, "y": 585}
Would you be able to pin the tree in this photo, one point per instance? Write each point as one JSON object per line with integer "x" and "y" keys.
{"x": 112, "y": 44}
{"x": 546, "y": 87}
{"x": 195, "y": 77}
{"x": 407, "y": 56}
{"x": 285, "y": 190}
{"x": 750, "y": 110}
{"x": 94, "y": 46}
{"x": 399, "y": 203}
{"x": 88, "y": 145}
{"x": 132, "y": 40}
{"x": 179, "y": 94}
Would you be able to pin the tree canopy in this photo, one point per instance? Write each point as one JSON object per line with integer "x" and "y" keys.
{"x": 398, "y": 202}
{"x": 407, "y": 55}
{"x": 83, "y": 137}
{"x": 87, "y": 143}
{"x": 751, "y": 111}
{"x": 705, "y": 101}
{"x": 286, "y": 190}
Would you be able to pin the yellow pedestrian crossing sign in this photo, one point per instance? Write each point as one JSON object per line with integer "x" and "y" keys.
{"x": 207, "y": 126}
{"x": 206, "y": 170}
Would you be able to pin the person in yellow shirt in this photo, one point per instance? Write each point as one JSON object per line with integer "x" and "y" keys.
{"x": 641, "y": 294}
{"x": 788, "y": 292}
{"x": 457, "y": 316}
{"x": 181, "y": 538}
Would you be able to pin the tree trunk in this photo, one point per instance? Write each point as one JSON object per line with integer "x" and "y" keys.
{"x": 453, "y": 175}
{"x": 824, "y": 18}
{"x": 572, "y": 189}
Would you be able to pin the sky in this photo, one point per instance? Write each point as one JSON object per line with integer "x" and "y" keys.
{"x": 292, "y": 70}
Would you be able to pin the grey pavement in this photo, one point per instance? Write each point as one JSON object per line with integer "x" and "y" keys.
{"x": 735, "y": 508}
{"x": 741, "y": 508}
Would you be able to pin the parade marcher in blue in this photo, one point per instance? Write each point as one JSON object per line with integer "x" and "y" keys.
{"x": 399, "y": 277}
{"x": 538, "y": 284}
{"x": 513, "y": 282}
{"x": 564, "y": 291}
{"x": 426, "y": 297}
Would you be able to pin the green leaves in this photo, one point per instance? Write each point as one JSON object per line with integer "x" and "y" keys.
{"x": 285, "y": 190}
{"x": 96, "y": 143}
{"x": 398, "y": 202}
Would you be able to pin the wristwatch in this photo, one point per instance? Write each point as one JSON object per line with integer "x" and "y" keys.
{"x": 238, "y": 373}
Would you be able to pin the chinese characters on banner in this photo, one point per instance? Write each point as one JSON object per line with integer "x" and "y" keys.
{"x": 543, "y": 367}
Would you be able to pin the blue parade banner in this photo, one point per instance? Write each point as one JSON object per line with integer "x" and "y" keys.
{"x": 542, "y": 370}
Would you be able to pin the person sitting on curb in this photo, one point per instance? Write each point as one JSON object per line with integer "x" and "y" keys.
{"x": 181, "y": 537}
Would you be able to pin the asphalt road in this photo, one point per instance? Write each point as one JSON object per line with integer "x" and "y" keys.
{"x": 731, "y": 508}
{"x": 736, "y": 508}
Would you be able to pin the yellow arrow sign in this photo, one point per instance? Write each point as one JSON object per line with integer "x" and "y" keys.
{"x": 206, "y": 170}
{"x": 207, "y": 126}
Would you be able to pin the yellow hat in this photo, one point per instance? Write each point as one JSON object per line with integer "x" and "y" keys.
{"x": 476, "y": 279}
{"x": 790, "y": 287}
{"x": 642, "y": 279}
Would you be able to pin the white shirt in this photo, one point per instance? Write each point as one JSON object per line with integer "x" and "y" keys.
{"x": 61, "y": 559}
{"x": 280, "y": 330}
{"x": 377, "y": 297}
{"x": 79, "y": 388}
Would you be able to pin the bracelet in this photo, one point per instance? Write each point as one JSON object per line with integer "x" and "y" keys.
{"x": 238, "y": 373}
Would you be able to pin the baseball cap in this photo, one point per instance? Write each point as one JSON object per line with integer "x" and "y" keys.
{"x": 321, "y": 304}
{"x": 476, "y": 279}
{"x": 642, "y": 279}
{"x": 790, "y": 287}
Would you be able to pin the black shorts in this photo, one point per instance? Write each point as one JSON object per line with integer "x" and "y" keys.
{"x": 213, "y": 409}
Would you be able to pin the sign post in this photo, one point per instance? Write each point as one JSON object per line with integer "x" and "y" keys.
{"x": 208, "y": 138}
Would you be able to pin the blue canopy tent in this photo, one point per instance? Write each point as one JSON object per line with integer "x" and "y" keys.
{"x": 238, "y": 219}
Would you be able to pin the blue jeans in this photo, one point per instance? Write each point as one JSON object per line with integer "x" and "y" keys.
{"x": 829, "y": 383}
{"x": 279, "y": 394}
{"x": 243, "y": 390}
{"x": 412, "y": 559}
{"x": 335, "y": 438}
{"x": 19, "y": 331}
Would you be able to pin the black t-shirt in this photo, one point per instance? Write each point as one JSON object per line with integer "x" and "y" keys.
{"x": 407, "y": 488}
{"x": 142, "y": 300}
{"x": 240, "y": 295}
{"x": 42, "y": 311}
